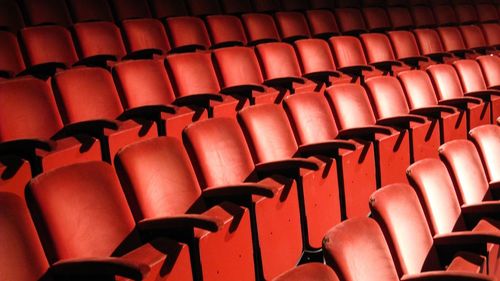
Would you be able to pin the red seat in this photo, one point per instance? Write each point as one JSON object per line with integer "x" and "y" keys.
{"x": 165, "y": 9}
{"x": 317, "y": 62}
{"x": 264, "y": 6}
{"x": 15, "y": 173}
{"x": 453, "y": 42}
{"x": 422, "y": 99}
{"x": 400, "y": 17}
{"x": 226, "y": 31}
{"x": 145, "y": 37}
{"x": 11, "y": 58}
{"x": 221, "y": 156}
{"x": 203, "y": 7}
{"x": 466, "y": 13}
{"x": 316, "y": 132}
{"x": 292, "y": 26}
{"x": 99, "y": 42}
{"x": 11, "y": 18}
{"x": 309, "y": 271}
{"x": 422, "y": 17}
{"x": 46, "y": 12}
{"x": 379, "y": 53}
{"x": 430, "y": 45}
{"x": 90, "y": 10}
{"x": 196, "y": 84}
{"x": 445, "y": 15}
{"x": 376, "y": 19}
{"x": 474, "y": 84}
{"x": 48, "y": 48}
{"x": 272, "y": 142}
{"x": 294, "y": 5}
{"x": 260, "y": 28}
{"x": 30, "y": 124}
{"x": 130, "y": 9}
{"x": 240, "y": 75}
{"x": 487, "y": 141}
{"x": 487, "y": 13}
{"x": 322, "y": 4}
{"x": 391, "y": 109}
{"x": 491, "y": 32}
{"x": 89, "y": 103}
{"x": 102, "y": 239}
{"x": 350, "y": 21}
{"x": 236, "y": 7}
{"x": 281, "y": 68}
{"x": 406, "y": 49}
{"x": 187, "y": 34}
{"x": 449, "y": 92}
{"x": 474, "y": 39}
{"x": 322, "y": 23}
{"x": 490, "y": 65}
{"x": 218, "y": 234}
{"x": 392, "y": 148}
{"x": 145, "y": 88}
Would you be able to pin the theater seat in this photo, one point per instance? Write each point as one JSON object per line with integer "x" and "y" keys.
{"x": 89, "y": 103}
{"x": 216, "y": 232}
{"x": 203, "y": 7}
{"x": 491, "y": 32}
{"x": 322, "y": 23}
{"x": 487, "y": 141}
{"x": 164, "y": 9}
{"x": 11, "y": 58}
{"x": 406, "y": 49}
{"x": 11, "y": 18}
{"x": 15, "y": 173}
{"x": 226, "y": 30}
{"x": 350, "y": 21}
{"x": 46, "y": 12}
{"x": 90, "y": 10}
{"x": 430, "y": 45}
{"x": 236, "y": 7}
{"x": 487, "y": 12}
{"x": 475, "y": 39}
{"x": 466, "y": 13}
{"x": 292, "y": 26}
{"x": 453, "y": 42}
{"x": 356, "y": 120}
{"x": 260, "y": 28}
{"x": 379, "y": 53}
{"x": 130, "y": 9}
{"x": 146, "y": 91}
{"x": 400, "y": 18}
{"x": 102, "y": 239}
{"x": 145, "y": 38}
{"x": 220, "y": 154}
{"x": 187, "y": 34}
{"x": 490, "y": 65}
{"x": 316, "y": 132}
{"x": 309, "y": 271}
{"x": 272, "y": 142}
{"x": 30, "y": 124}
{"x": 445, "y": 15}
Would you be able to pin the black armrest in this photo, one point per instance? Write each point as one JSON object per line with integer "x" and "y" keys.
{"x": 433, "y": 111}
{"x": 93, "y": 128}
{"x": 187, "y": 221}
{"x": 243, "y": 90}
{"x": 285, "y": 82}
{"x": 367, "y": 132}
{"x": 446, "y": 276}
{"x": 356, "y": 70}
{"x": 285, "y": 166}
{"x": 143, "y": 54}
{"x": 401, "y": 121}
{"x": 460, "y": 102}
{"x": 386, "y": 65}
{"x": 43, "y": 70}
{"x": 242, "y": 189}
{"x": 98, "y": 267}
{"x": 484, "y": 95}
{"x": 414, "y": 61}
{"x": 202, "y": 100}
{"x": 187, "y": 48}
{"x": 321, "y": 75}
{"x": 439, "y": 56}
{"x": 99, "y": 60}
{"x": 147, "y": 111}
{"x": 494, "y": 188}
{"x": 458, "y": 238}
{"x": 24, "y": 145}
{"x": 485, "y": 208}
{"x": 325, "y": 148}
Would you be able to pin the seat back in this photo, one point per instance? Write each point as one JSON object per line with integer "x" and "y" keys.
{"x": 491, "y": 32}
{"x": 266, "y": 5}
{"x": 466, "y": 14}
{"x": 130, "y": 9}
{"x": 278, "y": 60}
{"x": 260, "y": 28}
{"x": 490, "y": 66}
{"x": 378, "y": 47}
{"x": 203, "y": 7}
{"x": 470, "y": 75}
{"x": 418, "y": 88}
{"x": 11, "y": 18}
{"x": 487, "y": 141}
{"x": 350, "y": 20}
{"x": 422, "y": 16}
{"x": 465, "y": 167}
{"x": 473, "y": 36}
{"x": 387, "y": 97}
{"x": 294, "y": 5}
{"x": 188, "y": 32}
{"x": 22, "y": 255}
{"x": 90, "y": 10}
{"x": 11, "y": 58}
{"x": 322, "y": 23}
{"x": 165, "y": 9}
{"x": 99, "y": 39}
{"x": 446, "y": 81}
{"x": 27, "y": 110}
{"x": 428, "y": 41}
{"x": 237, "y": 66}
{"x": 314, "y": 55}
{"x": 487, "y": 12}
{"x": 400, "y": 17}
{"x": 451, "y": 38}
{"x": 347, "y": 51}
{"x": 226, "y": 30}
{"x": 46, "y": 12}
{"x": 292, "y": 26}
{"x": 145, "y": 35}
{"x": 404, "y": 44}
{"x": 376, "y": 19}
{"x": 236, "y": 7}
{"x": 445, "y": 15}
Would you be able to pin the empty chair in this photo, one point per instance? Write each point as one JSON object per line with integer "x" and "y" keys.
{"x": 312, "y": 119}
{"x": 15, "y": 173}
{"x": 376, "y": 19}
{"x": 226, "y": 31}
{"x": 99, "y": 42}
{"x": 260, "y": 28}
{"x": 348, "y": 4}
{"x": 453, "y": 42}
{"x": 165, "y": 9}
{"x": 430, "y": 45}
{"x": 422, "y": 99}
{"x": 473, "y": 84}
{"x": 350, "y": 21}
{"x": 487, "y": 13}
{"x": 215, "y": 233}
{"x": 69, "y": 191}
{"x": 11, "y": 58}
{"x": 350, "y": 57}
{"x": 187, "y": 34}
{"x": 422, "y": 17}
{"x": 294, "y": 5}
{"x": 145, "y": 38}
{"x": 322, "y": 4}
{"x": 196, "y": 84}
{"x": 240, "y": 74}
{"x": 490, "y": 65}
{"x": 281, "y": 68}
{"x": 309, "y": 271}
{"x": 317, "y": 62}
{"x": 322, "y": 23}
{"x": 379, "y": 53}
{"x": 30, "y": 124}
{"x": 236, "y": 7}
{"x": 46, "y": 12}
{"x": 474, "y": 39}
{"x": 219, "y": 152}
{"x": 400, "y": 17}
{"x": 11, "y": 18}
{"x": 491, "y": 32}
{"x": 392, "y": 148}
{"x": 145, "y": 88}
{"x": 203, "y": 7}
{"x": 48, "y": 48}
{"x": 487, "y": 141}
{"x": 272, "y": 142}
{"x": 89, "y": 103}
{"x": 466, "y": 14}
{"x": 449, "y": 92}
{"x": 445, "y": 15}
{"x": 292, "y": 26}
{"x": 265, "y": 6}
{"x": 406, "y": 49}
{"x": 93, "y": 10}
{"x": 417, "y": 251}
{"x": 130, "y": 9}
{"x": 391, "y": 109}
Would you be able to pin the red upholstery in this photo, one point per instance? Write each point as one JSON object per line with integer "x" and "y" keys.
{"x": 487, "y": 141}
{"x": 422, "y": 16}
{"x": 11, "y": 58}
{"x": 294, "y": 5}
{"x": 376, "y": 19}
{"x": 322, "y": 23}
{"x": 226, "y": 30}
{"x": 445, "y": 15}
{"x": 130, "y": 9}
{"x": 176, "y": 194}
{"x": 309, "y": 271}
{"x": 430, "y": 45}
{"x": 350, "y": 20}
{"x": 145, "y": 37}
{"x": 474, "y": 38}
{"x": 491, "y": 33}
{"x": 266, "y": 5}
{"x": 392, "y": 147}
{"x": 490, "y": 65}
{"x": 292, "y": 26}
{"x": 322, "y": 4}
{"x": 466, "y": 14}
{"x": 221, "y": 156}
{"x": 236, "y": 7}
{"x": 203, "y": 7}
{"x": 11, "y": 17}
{"x": 453, "y": 42}
{"x": 400, "y": 17}
{"x": 90, "y": 10}
{"x": 312, "y": 120}
{"x": 46, "y": 12}
{"x": 14, "y": 174}
{"x": 379, "y": 53}
{"x": 260, "y": 28}
{"x": 165, "y": 9}
{"x": 487, "y": 13}
{"x": 188, "y": 33}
